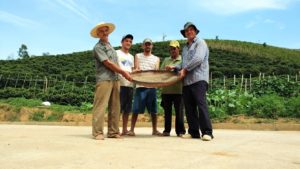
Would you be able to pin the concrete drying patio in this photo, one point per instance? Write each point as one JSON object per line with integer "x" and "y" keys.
{"x": 72, "y": 147}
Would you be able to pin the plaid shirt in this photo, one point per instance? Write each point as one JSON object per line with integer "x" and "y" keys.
{"x": 195, "y": 61}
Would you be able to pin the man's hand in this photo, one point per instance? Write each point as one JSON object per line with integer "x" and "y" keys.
{"x": 127, "y": 75}
{"x": 182, "y": 73}
{"x": 170, "y": 68}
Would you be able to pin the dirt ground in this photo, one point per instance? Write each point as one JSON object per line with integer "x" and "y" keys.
{"x": 23, "y": 116}
{"x": 69, "y": 147}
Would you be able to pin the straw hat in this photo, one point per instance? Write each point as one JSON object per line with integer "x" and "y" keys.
{"x": 111, "y": 28}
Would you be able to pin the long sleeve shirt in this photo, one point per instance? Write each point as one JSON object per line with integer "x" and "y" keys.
{"x": 195, "y": 61}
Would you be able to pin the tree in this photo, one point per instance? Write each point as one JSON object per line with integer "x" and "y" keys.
{"x": 23, "y": 52}
{"x": 46, "y": 54}
{"x": 217, "y": 37}
{"x": 10, "y": 57}
{"x": 264, "y": 44}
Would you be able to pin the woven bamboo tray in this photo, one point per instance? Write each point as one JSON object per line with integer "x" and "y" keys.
{"x": 154, "y": 78}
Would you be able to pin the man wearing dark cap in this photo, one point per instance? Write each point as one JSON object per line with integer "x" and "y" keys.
{"x": 126, "y": 62}
{"x": 194, "y": 70}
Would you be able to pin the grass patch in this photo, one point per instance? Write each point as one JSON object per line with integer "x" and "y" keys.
{"x": 38, "y": 116}
{"x": 18, "y": 103}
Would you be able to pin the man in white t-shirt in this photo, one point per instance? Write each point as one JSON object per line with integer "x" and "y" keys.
{"x": 144, "y": 96}
{"x": 126, "y": 62}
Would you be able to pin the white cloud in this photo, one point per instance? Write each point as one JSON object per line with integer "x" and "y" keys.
{"x": 74, "y": 7}
{"x": 231, "y": 7}
{"x": 251, "y": 24}
{"x": 17, "y": 20}
{"x": 259, "y": 21}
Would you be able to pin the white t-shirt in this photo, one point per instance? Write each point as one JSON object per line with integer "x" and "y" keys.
{"x": 147, "y": 63}
{"x": 126, "y": 62}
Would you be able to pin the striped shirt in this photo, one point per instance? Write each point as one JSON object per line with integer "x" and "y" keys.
{"x": 147, "y": 63}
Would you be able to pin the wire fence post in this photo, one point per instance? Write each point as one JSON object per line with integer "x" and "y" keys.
{"x": 30, "y": 82}
{"x": 242, "y": 82}
{"x": 17, "y": 80}
{"x": 46, "y": 84}
{"x": 234, "y": 78}
{"x": 64, "y": 84}
{"x": 250, "y": 80}
{"x": 24, "y": 81}
{"x": 6, "y": 81}
{"x": 245, "y": 85}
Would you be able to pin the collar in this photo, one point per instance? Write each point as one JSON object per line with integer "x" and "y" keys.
{"x": 177, "y": 59}
{"x": 194, "y": 40}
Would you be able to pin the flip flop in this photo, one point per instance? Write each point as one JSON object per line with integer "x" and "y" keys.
{"x": 130, "y": 133}
{"x": 157, "y": 133}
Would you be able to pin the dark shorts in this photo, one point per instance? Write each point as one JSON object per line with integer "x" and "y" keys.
{"x": 145, "y": 97}
{"x": 126, "y": 94}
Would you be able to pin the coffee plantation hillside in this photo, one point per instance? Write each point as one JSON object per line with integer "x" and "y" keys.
{"x": 227, "y": 58}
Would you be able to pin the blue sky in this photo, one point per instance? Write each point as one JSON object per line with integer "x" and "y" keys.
{"x": 63, "y": 26}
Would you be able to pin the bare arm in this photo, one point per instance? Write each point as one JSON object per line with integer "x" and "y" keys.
{"x": 113, "y": 67}
{"x": 136, "y": 64}
{"x": 157, "y": 64}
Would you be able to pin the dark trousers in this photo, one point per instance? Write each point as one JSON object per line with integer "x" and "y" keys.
{"x": 168, "y": 100}
{"x": 194, "y": 97}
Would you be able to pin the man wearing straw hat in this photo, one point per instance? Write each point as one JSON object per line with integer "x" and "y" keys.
{"x": 194, "y": 70}
{"x": 107, "y": 92}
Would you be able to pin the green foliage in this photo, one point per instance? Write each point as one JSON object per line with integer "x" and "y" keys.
{"x": 37, "y": 116}
{"x": 226, "y": 58}
{"x": 277, "y": 85}
{"x": 86, "y": 106}
{"x": 55, "y": 116}
{"x": 267, "y": 106}
{"x": 293, "y": 107}
{"x": 223, "y": 103}
{"x": 71, "y": 79}
{"x": 21, "y": 102}
{"x": 23, "y": 52}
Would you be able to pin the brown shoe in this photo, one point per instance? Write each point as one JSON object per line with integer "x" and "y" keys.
{"x": 99, "y": 137}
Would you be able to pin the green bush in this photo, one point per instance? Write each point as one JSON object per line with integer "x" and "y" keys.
{"x": 55, "y": 116}
{"x": 293, "y": 107}
{"x": 267, "y": 106}
{"x": 217, "y": 113}
{"x": 38, "y": 116}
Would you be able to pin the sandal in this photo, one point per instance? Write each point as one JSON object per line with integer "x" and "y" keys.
{"x": 157, "y": 133}
{"x": 117, "y": 136}
{"x": 130, "y": 133}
